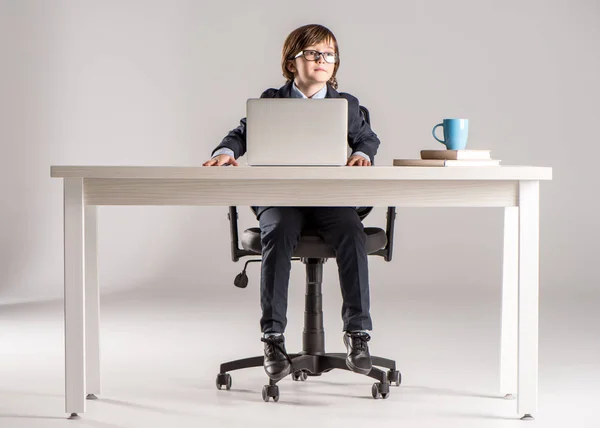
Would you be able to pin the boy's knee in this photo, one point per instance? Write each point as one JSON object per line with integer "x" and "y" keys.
{"x": 351, "y": 234}
{"x": 279, "y": 231}
{"x": 354, "y": 229}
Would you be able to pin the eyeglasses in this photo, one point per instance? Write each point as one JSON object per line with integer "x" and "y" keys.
{"x": 311, "y": 55}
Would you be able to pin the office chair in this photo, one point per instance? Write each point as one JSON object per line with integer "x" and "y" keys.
{"x": 313, "y": 252}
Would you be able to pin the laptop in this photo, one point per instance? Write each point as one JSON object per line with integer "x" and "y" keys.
{"x": 296, "y": 132}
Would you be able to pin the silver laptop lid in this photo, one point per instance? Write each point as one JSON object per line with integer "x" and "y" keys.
{"x": 296, "y": 132}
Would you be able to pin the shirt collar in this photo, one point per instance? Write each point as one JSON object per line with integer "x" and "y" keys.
{"x": 297, "y": 93}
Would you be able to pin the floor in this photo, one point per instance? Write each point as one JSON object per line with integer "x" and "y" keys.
{"x": 161, "y": 352}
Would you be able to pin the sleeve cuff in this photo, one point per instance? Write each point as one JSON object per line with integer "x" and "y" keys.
{"x": 362, "y": 154}
{"x": 224, "y": 151}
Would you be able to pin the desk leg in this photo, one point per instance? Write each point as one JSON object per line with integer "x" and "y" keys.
{"x": 92, "y": 304}
{"x": 74, "y": 297}
{"x": 510, "y": 303}
{"x": 527, "y": 393}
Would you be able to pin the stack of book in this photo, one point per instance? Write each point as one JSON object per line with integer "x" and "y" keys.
{"x": 450, "y": 158}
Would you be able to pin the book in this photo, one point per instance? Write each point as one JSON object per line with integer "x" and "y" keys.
{"x": 446, "y": 162}
{"x": 455, "y": 154}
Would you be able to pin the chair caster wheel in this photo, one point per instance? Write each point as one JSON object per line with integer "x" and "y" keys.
{"x": 270, "y": 391}
{"x": 223, "y": 379}
{"x": 380, "y": 390}
{"x": 395, "y": 377}
{"x": 299, "y": 375}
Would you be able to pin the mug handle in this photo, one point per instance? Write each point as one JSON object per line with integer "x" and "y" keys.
{"x": 433, "y": 133}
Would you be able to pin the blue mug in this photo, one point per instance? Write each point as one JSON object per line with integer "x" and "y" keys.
{"x": 456, "y": 132}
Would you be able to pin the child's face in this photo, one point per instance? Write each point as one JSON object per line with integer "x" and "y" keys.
{"x": 309, "y": 72}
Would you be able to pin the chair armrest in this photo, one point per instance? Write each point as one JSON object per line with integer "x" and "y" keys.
{"x": 236, "y": 252}
{"x": 387, "y": 251}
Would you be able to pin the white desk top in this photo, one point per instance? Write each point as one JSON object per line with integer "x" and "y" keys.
{"x": 305, "y": 173}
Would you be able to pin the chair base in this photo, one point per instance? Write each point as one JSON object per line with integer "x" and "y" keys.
{"x": 313, "y": 360}
{"x": 315, "y": 365}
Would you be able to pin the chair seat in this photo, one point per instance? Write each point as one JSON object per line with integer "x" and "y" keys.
{"x": 311, "y": 245}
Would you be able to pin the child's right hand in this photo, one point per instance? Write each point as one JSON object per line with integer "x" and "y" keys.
{"x": 221, "y": 160}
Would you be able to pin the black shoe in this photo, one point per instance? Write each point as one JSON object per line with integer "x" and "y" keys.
{"x": 359, "y": 359}
{"x": 277, "y": 362}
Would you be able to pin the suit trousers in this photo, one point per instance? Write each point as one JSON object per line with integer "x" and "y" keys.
{"x": 341, "y": 227}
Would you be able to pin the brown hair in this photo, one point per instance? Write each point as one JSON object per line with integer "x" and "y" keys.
{"x": 302, "y": 37}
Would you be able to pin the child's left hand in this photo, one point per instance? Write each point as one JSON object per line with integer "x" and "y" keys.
{"x": 358, "y": 160}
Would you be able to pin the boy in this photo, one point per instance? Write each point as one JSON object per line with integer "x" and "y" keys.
{"x": 310, "y": 60}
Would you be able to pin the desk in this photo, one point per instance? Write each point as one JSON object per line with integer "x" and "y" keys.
{"x": 515, "y": 188}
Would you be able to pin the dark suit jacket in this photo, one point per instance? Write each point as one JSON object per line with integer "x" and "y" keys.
{"x": 360, "y": 136}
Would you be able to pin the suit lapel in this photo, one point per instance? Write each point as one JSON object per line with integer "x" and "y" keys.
{"x": 285, "y": 91}
{"x": 331, "y": 93}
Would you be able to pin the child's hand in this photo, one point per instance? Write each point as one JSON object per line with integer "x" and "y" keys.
{"x": 358, "y": 160}
{"x": 221, "y": 160}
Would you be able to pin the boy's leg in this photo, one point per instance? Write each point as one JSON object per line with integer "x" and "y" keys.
{"x": 280, "y": 229}
{"x": 342, "y": 228}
